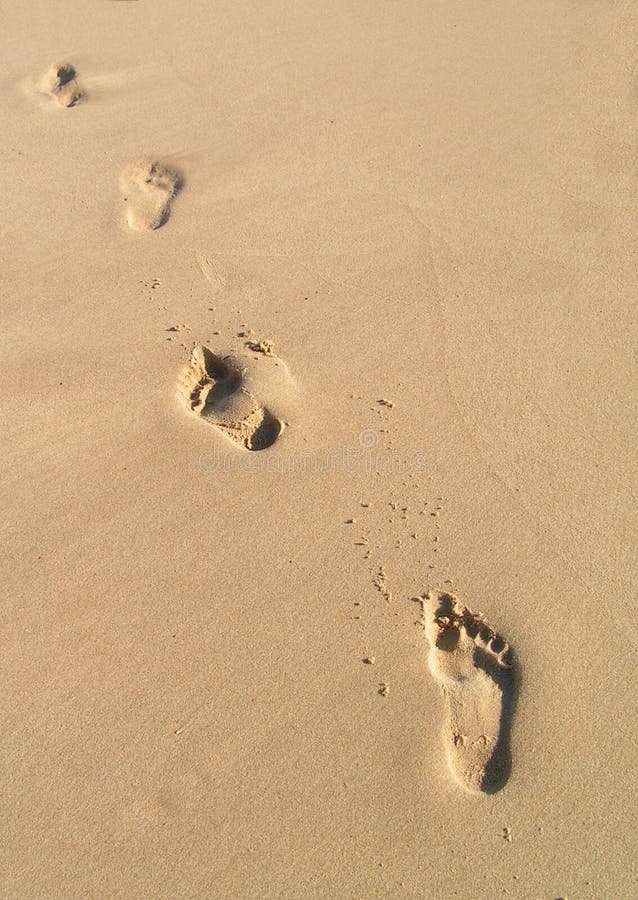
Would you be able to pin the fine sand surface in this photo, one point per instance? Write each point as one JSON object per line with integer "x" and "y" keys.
{"x": 319, "y": 449}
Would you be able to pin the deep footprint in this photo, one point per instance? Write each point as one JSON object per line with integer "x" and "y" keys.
{"x": 149, "y": 188}
{"x": 61, "y": 83}
{"x": 477, "y": 671}
{"x": 214, "y": 388}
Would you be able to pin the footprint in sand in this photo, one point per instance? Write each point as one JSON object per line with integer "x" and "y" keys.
{"x": 216, "y": 388}
{"x": 149, "y": 187}
{"x": 60, "y": 82}
{"x": 477, "y": 672}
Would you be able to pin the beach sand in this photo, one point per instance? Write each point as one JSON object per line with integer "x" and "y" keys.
{"x": 319, "y": 449}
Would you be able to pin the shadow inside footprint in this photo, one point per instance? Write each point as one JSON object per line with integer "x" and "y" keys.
{"x": 219, "y": 382}
{"x": 266, "y": 433}
{"x": 499, "y": 766}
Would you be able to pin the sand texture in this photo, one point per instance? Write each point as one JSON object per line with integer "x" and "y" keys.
{"x": 319, "y": 449}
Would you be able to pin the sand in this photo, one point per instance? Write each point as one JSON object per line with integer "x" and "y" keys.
{"x": 319, "y": 445}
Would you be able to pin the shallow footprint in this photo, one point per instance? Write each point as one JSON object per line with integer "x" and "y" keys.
{"x": 214, "y": 387}
{"x": 149, "y": 188}
{"x": 477, "y": 672}
{"x": 60, "y": 82}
